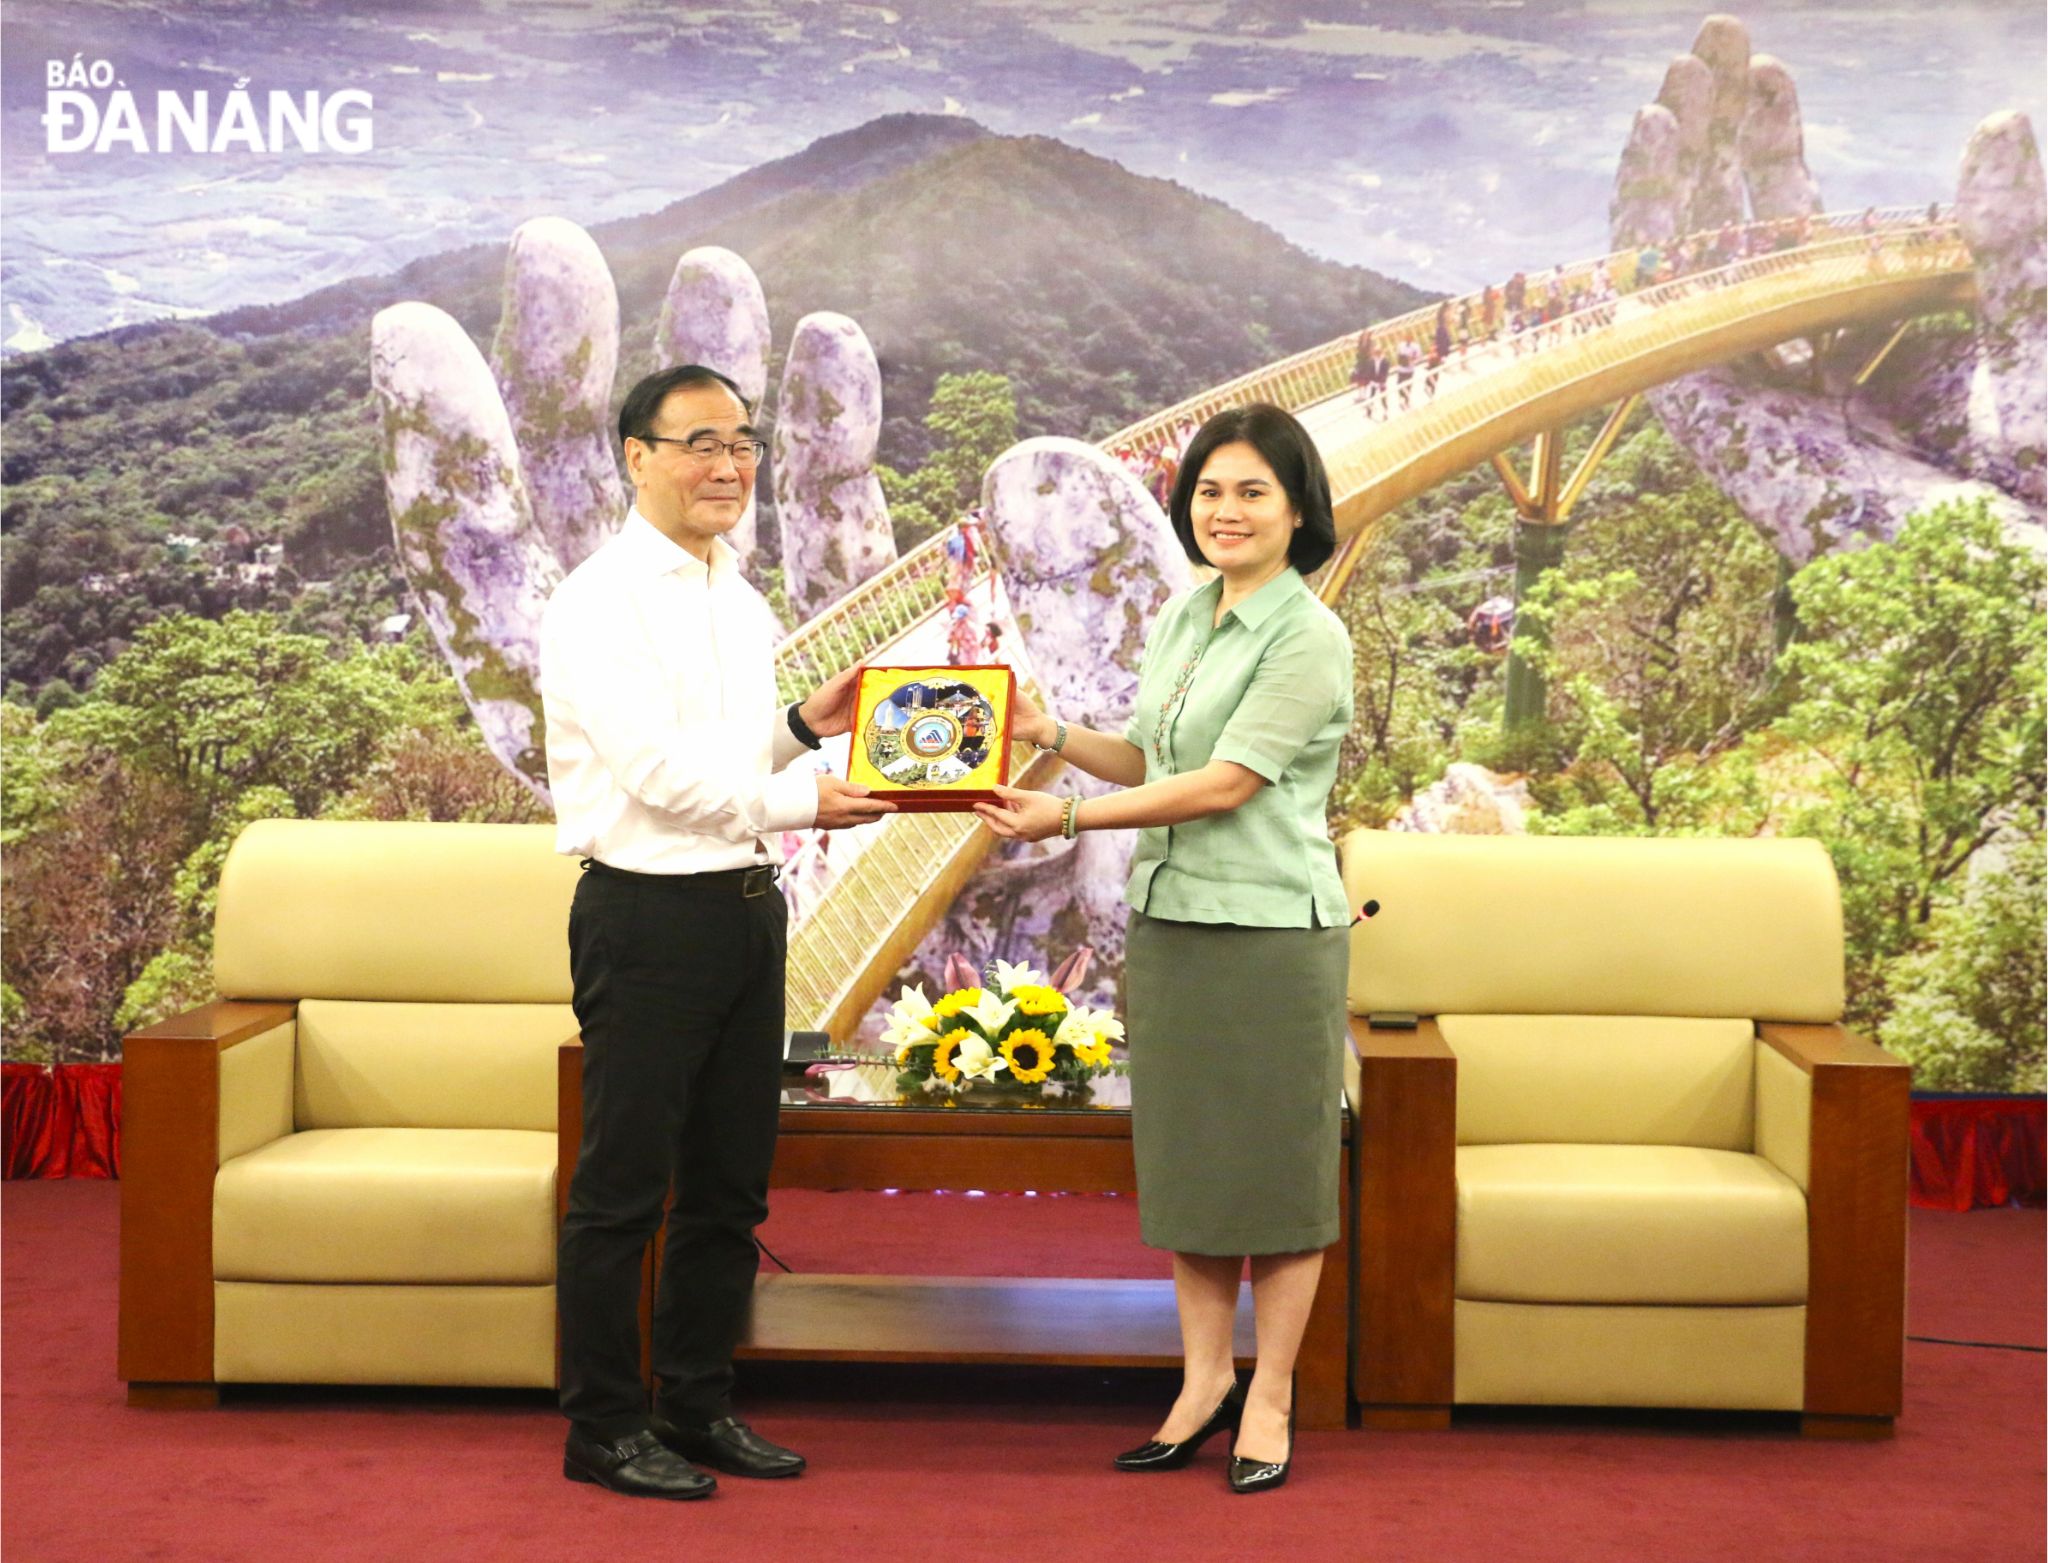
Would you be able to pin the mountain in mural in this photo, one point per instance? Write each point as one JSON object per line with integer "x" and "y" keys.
{"x": 1100, "y": 293}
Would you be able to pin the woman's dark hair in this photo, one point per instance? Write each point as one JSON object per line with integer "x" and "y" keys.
{"x": 643, "y": 402}
{"x": 1284, "y": 445}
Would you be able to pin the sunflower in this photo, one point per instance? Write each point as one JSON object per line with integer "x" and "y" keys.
{"x": 1029, "y": 1055}
{"x": 942, "y": 1059}
{"x": 1094, "y": 1054}
{"x": 1035, "y": 999}
{"x": 953, "y": 1003}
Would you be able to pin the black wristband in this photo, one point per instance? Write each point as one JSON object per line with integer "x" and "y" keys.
{"x": 801, "y": 730}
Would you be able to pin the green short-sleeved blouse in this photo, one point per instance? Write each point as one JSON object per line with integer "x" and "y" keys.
{"x": 1268, "y": 688}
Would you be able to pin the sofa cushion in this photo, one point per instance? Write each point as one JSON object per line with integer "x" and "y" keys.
{"x": 270, "y": 1332}
{"x": 1604, "y": 1079}
{"x": 1627, "y": 1224}
{"x": 394, "y": 909}
{"x": 1536, "y": 925}
{"x": 462, "y": 1206}
{"x": 1723, "y": 1359}
{"x": 428, "y": 1066}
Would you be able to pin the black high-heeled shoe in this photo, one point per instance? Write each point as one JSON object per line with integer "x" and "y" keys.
{"x": 1262, "y": 1475}
{"x": 1158, "y": 1455}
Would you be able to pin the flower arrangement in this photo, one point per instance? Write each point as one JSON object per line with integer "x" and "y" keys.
{"x": 1014, "y": 1028}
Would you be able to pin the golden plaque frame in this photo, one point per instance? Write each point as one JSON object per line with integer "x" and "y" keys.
{"x": 933, "y": 739}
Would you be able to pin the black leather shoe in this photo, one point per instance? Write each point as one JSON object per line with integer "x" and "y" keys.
{"x": 639, "y": 1465}
{"x": 1161, "y": 1456}
{"x": 1262, "y": 1475}
{"x": 729, "y": 1445}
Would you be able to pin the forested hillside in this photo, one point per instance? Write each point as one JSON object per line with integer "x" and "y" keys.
{"x": 1100, "y": 294}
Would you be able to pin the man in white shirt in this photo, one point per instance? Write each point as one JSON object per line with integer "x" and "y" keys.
{"x": 666, "y": 755}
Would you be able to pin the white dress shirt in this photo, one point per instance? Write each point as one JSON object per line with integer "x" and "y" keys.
{"x": 666, "y": 745}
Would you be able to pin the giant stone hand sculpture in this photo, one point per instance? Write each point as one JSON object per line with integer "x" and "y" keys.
{"x": 715, "y": 314}
{"x": 556, "y": 351}
{"x": 501, "y": 478}
{"x": 835, "y": 527}
{"x": 1946, "y": 417}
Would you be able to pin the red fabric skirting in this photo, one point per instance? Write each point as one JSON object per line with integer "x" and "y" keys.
{"x": 1982, "y": 1150}
{"x": 1970, "y": 1151}
{"x": 62, "y": 1122}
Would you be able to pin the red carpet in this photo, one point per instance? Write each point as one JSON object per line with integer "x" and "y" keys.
{"x": 1000, "y": 1465}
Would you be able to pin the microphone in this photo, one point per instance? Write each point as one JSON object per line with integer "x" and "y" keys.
{"x": 1384, "y": 1019}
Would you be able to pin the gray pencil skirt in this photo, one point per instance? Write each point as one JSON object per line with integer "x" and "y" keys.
{"x": 1236, "y": 1041}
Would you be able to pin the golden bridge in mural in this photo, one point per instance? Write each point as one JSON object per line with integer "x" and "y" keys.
{"x": 1479, "y": 404}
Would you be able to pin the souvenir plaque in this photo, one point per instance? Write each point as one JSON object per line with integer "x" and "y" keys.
{"x": 931, "y": 739}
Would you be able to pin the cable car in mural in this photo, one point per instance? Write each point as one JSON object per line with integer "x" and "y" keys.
{"x": 1492, "y": 625}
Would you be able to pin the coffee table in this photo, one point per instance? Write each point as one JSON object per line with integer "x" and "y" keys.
{"x": 852, "y": 1130}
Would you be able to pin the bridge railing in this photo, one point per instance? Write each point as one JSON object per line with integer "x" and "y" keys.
{"x": 1321, "y": 372}
{"x": 884, "y": 606}
{"x": 1660, "y": 315}
{"x": 868, "y": 617}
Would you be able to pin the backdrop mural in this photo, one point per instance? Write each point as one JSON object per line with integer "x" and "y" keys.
{"x": 1680, "y": 376}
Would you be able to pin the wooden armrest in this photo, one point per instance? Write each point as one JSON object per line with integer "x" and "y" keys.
{"x": 568, "y": 1119}
{"x": 223, "y": 1022}
{"x": 1425, "y": 1041}
{"x": 1404, "y": 1092}
{"x": 1813, "y": 1046}
{"x": 568, "y": 1146}
{"x": 170, "y": 1148}
{"x": 1374, "y": 1052}
{"x": 1859, "y": 1149}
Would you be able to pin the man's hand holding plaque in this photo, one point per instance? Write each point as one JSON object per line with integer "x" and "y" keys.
{"x": 828, "y": 712}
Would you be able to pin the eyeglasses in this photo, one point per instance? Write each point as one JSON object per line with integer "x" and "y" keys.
{"x": 708, "y": 447}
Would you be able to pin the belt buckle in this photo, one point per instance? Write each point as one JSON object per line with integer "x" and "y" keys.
{"x": 755, "y": 881}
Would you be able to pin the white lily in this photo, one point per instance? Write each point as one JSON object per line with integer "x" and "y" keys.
{"x": 1084, "y": 1025}
{"x": 908, "y": 1019}
{"x": 991, "y": 1013}
{"x": 1010, "y": 978}
{"x": 976, "y": 1060}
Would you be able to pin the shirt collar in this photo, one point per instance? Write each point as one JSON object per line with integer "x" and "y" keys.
{"x": 1267, "y": 600}
{"x": 663, "y": 555}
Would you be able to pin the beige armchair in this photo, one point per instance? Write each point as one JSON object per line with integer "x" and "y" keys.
{"x": 348, "y": 1168}
{"x": 1628, "y": 1157}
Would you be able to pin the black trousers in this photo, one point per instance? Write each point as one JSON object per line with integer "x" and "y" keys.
{"x": 679, "y": 993}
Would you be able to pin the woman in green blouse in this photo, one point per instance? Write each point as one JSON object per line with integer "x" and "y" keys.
{"x": 1238, "y": 944}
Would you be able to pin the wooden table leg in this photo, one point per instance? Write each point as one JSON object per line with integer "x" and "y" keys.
{"x": 1322, "y": 1385}
{"x": 1854, "y": 1427}
{"x": 174, "y": 1397}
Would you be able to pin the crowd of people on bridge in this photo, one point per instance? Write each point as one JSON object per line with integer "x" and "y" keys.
{"x": 1156, "y": 462}
{"x": 970, "y": 639}
{"x": 1399, "y": 365}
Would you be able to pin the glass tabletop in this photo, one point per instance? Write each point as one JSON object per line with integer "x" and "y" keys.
{"x": 873, "y": 1087}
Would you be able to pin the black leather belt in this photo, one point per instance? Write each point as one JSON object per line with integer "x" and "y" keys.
{"x": 750, "y": 882}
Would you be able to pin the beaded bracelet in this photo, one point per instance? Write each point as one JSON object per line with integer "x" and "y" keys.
{"x": 1070, "y": 818}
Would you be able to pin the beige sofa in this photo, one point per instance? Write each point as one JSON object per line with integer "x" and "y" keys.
{"x": 348, "y": 1168}
{"x": 1629, "y": 1157}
